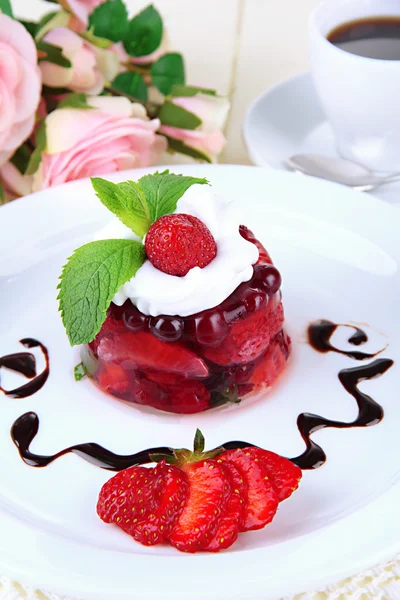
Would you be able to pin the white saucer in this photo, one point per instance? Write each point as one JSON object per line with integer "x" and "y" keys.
{"x": 288, "y": 119}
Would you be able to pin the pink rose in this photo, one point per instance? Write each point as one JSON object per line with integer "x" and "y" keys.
{"x": 114, "y": 136}
{"x": 81, "y": 8}
{"x": 91, "y": 66}
{"x": 208, "y": 137}
{"x": 14, "y": 184}
{"x": 20, "y": 86}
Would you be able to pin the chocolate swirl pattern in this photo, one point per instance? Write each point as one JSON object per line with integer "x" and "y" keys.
{"x": 25, "y": 363}
{"x": 26, "y": 427}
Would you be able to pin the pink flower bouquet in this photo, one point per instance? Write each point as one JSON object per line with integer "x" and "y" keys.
{"x": 89, "y": 90}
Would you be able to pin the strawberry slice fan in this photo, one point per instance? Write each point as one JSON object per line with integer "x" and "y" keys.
{"x": 196, "y": 500}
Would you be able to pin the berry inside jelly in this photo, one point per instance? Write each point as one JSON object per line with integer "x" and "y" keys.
{"x": 191, "y": 364}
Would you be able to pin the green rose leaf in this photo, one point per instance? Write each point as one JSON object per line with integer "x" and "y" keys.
{"x": 5, "y": 7}
{"x": 144, "y": 33}
{"x": 132, "y": 84}
{"x": 30, "y": 26}
{"x": 53, "y": 55}
{"x": 189, "y": 90}
{"x": 97, "y": 41}
{"x": 110, "y": 21}
{"x": 36, "y": 157}
{"x": 21, "y": 158}
{"x": 127, "y": 201}
{"x": 168, "y": 71}
{"x": 176, "y": 116}
{"x": 90, "y": 280}
{"x": 182, "y": 148}
{"x": 163, "y": 190}
{"x": 74, "y": 100}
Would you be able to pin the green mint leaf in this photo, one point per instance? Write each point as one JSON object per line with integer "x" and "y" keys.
{"x": 36, "y": 157}
{"x": 199, "y": 442}
{"x": 74, "y": 100}
{"x": 53, "y": 55}
{"x": 189, "y": 90}
{"x": 168, "y": 71}
{"x": 110, "y": 20}
{"x": 90, "y": 280}
{"x": 21, "y": 158}
{"x": 127, "y": 201}
{"x": 5, "y": 7}
{"x": 176, "y": 116}
{"x": 163, "y": 190}
{"x": 79, "y": 372}
{"x": 132, "y": 84}
{"x": 179, "y": 146}
{"x": 144, "y": 33}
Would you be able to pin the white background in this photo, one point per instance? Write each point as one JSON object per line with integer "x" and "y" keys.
{"x": 239, "y": 47}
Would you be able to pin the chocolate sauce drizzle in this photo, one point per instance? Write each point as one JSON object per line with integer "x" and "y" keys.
{"x": 25, "y": 363}
{"x": 320, "y": 333}
{"x": 26, "y": 427}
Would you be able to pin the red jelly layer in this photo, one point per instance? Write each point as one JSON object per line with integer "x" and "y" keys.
{"x": 190, "y": 364}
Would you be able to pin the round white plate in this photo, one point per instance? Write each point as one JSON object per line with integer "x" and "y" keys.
{"x": 288, "y": 119}
{"x": 338, "y": 254}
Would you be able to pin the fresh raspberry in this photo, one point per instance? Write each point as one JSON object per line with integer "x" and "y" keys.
{"x": 177, "y": 243}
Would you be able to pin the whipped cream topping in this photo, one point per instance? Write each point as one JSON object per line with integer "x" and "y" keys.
{"x": 157, "y": 293}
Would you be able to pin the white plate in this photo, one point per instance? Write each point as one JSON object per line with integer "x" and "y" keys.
{"x": 338, "y": 253}
{"x": 288, "y": 119}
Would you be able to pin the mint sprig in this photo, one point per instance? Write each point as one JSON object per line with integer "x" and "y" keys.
{"x": 90, "y": 280}
{"x": 127, "y": 201}
{"x": 163, "y": 190}
{"x": 139, "y": 204}
{"x": 96, "y": 271}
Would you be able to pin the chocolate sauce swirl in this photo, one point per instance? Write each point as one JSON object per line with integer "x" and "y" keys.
{"x": 25, "y": 363}
{"x": 320, "y": 333}
{"x": 26, "y": 427}
{"x": 370, "y": 412}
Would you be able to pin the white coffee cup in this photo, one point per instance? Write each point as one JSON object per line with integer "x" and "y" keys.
{"x": 360, "y": 96}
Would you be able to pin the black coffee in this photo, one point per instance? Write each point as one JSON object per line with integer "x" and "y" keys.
{"x": 372, "y": 37}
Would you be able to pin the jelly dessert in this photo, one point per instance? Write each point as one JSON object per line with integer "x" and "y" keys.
{"x": 200, "y": 323}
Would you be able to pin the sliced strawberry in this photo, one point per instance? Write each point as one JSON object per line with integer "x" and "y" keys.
{"x": 209, "y": 492}
{"x": 232, "y": 520}
{"x": 147, "y": 351}
{"x": 145, "y": 503}
{"x": 250, "y": 337}
{"x": 158, "y": 525}
{"x": 262, "y": 500}
{"x": 130, "y": 497}
{"x": 284, "y": 475}
{"x": 273, "y": 362}
{"x": 248, "y": 235}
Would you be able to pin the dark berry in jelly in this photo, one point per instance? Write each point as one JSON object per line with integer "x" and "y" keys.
{"x": 268, "y": 278}
{"x": 211, "y": 329}
{"x": 255, "y": 300}
{"x": 133, "y": 319}
{"x": 167, "y": 329}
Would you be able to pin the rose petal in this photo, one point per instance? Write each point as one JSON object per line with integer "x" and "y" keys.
{"x": 15, "y": 35}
